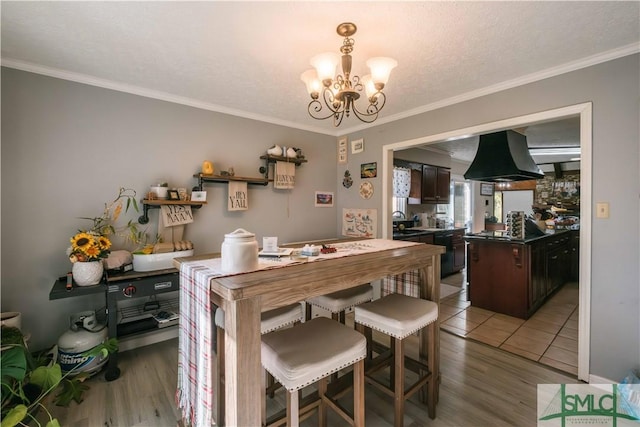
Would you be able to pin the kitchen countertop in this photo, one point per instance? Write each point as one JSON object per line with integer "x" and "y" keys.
{"x": 500, "y": 236}
{"x": 420, "y": 231}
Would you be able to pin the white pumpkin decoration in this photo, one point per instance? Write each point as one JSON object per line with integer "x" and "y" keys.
{"x": 292, "y": 153}
{"x": 276, "y": 150}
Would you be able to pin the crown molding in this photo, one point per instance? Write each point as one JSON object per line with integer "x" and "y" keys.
{"x": 150, "y": 93}
{"x": 622, "y": 51}
{"x": 589, "y": 61}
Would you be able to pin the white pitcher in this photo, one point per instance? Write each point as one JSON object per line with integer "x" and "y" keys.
{"x": 239, "y": 252}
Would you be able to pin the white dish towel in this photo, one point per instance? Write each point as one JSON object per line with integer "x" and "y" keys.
{"x": 285, "y": 175}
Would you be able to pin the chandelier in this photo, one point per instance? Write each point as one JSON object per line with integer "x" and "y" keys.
{"x": 339, "y": 93}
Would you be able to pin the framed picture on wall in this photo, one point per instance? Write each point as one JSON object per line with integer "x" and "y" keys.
{"x": 323, "y": 199}
{"x": 486, "y": 189}
{"x": 198, "y": 196}
{"x": 342, "y": 150}
{"x": 357, "y": 146}
{"x": 369, "y": 170}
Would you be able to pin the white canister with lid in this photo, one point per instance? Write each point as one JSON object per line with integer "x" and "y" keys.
{"x": 239, "y": 252}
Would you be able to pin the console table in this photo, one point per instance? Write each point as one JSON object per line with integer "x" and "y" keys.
{"x": 117, "y": 288}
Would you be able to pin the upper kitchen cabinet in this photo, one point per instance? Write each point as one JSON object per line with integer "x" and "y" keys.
{"x": 436, "y": 182}
{"x": 415, "y": 193}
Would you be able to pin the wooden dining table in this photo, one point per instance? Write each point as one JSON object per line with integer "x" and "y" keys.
{"x": 244, "y": 296}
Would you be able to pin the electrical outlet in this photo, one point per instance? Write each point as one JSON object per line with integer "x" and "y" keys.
{"x": 602, "y": 210}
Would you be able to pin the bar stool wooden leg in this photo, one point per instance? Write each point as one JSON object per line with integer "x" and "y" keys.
{"x": 358, "y": 394}
{"x": 322, "y": 409}
{"x": 293, "y": 410}
{"x": 432, "y": 392}
{"x": 398, "y": 357}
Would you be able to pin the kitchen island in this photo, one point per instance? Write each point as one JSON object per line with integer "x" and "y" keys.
{"x": 515, "y": 277}
{"x": 453, "y": 260}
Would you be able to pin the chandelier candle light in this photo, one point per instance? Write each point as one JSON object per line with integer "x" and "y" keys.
{"x": 339, "y": 92}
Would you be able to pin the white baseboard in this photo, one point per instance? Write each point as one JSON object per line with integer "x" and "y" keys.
{"x": 594, "y": 379}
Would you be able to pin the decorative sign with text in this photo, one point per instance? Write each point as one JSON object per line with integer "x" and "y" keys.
{"x": 238, "y": 197}
{"x": 176, "y": 215}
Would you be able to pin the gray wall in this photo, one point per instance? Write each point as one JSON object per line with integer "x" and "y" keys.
{"x": 613, "y": 88}
{"x": 68, "y": 147}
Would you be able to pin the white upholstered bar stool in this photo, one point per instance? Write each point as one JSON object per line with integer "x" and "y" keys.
{"x": 338, "y": 302}
{"x": 270, "y": 321}
{"x": 399, "y": 316}
{"x": 309, "y": 353}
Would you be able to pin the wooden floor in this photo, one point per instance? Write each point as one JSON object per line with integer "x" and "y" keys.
{"x": 481, "y": 386}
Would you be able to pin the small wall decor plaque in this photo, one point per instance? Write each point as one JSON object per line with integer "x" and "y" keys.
{"x": 369, "y": 170}
{"x": 342, "y": 150}
{"x": 366, "y": 190}
{"x": 347, "y": 181}
{"x": 360, "y": 222}
{"x": 323, "y": 199}
{"x": 357, "y": 146}
{"x": 486, "y": 189}
{"x": 198, "y": 196}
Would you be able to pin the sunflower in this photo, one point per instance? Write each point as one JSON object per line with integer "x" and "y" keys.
{"x": 81, "y": 241}
{"x": 92, "y": 251}
{"x": 104, "y": 243}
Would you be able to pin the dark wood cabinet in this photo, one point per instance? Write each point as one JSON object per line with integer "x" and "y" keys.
{"x": 415, "y": 191}
{"x": 558, "y": 261}
{"x": 574, "y": 248}
{"x": 516, "y": 278}
{"x": 459, "y": 252}
{"x": 538, "y": 281}
{"x": 436, "y": 183}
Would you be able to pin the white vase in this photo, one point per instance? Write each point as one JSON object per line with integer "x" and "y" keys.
{"x": 87, "y": 273}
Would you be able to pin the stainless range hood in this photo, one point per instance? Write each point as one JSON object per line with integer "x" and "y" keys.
{"x": 501, "y": 157}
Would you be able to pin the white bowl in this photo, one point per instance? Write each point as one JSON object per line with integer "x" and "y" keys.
{"x": 153, "y": 262}
{"x": 161, "y": 192}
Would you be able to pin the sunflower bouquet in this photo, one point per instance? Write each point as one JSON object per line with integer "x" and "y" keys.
{"x": 94, "y": 244}
{"x": 89, "y": 246}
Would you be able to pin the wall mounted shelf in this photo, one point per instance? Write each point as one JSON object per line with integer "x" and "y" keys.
{"x": 272, "y": 159}
{"x": 155, "y": 204}
{"x": 202, "y": 178}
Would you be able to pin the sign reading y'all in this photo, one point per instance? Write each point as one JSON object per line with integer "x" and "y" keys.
{"x": 238, "y": 198}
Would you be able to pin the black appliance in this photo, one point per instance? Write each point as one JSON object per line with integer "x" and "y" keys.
{"x": 446, "y": 259}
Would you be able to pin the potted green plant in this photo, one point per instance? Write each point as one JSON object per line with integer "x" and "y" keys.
{"x": 28, "y": 380}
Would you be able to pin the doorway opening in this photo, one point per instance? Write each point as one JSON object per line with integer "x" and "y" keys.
{"x": 584, "y": 112}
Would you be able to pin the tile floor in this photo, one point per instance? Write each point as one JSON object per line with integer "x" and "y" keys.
{"x": 549, "y": 337}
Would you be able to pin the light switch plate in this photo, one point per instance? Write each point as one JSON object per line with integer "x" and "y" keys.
{"x": 602, "y": 210}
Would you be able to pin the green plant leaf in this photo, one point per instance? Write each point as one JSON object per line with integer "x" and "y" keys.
{"x": 14, "y": 416}
{"x": 105, "y": 348}
{"x": 53, "y": 423}
{"x": 71, "y": 390}
{"x": 47, "y": 377}
{"x": 13, "y": 363}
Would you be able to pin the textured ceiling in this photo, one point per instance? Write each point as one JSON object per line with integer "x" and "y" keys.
{"x": 245, "y": 58}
